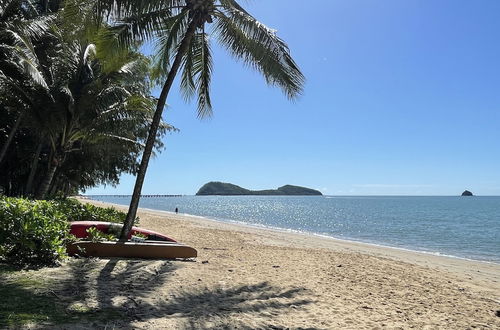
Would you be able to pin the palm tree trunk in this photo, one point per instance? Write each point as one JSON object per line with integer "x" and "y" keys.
{"x": 45, "y": 185}
{"x": 11, "y": 136}
{"x": 139, "y": 181}
{"x": 34, "y": 167}
{"x": 54, "y": 185}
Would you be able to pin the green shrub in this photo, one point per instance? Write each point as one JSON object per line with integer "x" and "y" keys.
{"x": 32, "y": 233}
{"x": 76, "y": 211}
{"x": 95, "y": 235}
{"x": 35, "y": 233}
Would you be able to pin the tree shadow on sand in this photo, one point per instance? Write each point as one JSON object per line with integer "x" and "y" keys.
{"x": 213, "y": 309}
{"x": 24, "y": 299}
{"x": 124, "y": 291}
{"x": 102, "y": 290}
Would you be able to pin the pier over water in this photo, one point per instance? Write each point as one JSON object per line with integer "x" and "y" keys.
{"x": 142, "y": 196}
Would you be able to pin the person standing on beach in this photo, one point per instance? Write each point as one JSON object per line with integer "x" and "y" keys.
{"x": 176, "y": 210}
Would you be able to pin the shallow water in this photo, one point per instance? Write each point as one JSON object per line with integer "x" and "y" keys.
{"x": 465, "y": 227}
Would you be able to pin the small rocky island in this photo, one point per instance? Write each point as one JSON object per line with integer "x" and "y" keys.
{"x": 229, "y": 189}
{"x": 467, "y": 193}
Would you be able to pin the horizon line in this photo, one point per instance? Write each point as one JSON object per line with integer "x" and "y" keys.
{"x": 324, "y": 195}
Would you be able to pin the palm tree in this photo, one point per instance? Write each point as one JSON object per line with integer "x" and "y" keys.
{"x": 179, "y": 29}
{"x": 72, "y": 94}
{"x": 93, "y": 98}
{"x": 20, "y": 26}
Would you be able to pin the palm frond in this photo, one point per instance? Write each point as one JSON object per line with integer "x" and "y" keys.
{"x": 188, "y": 87}
{"x": 132, "y": 67}
{"x": 202, "y": 69}
{"x": 37, "y": 27}
{"x": 117, "y": 9}
{"x": 234, "y": 5}
{"x": 260, "y": 48}
{"x": 168, "y": 39}
{"x": 129, "y": 29}
{"x": 67, "y": 94}
{"x": 120, "y": 138}
{"x": 31, "y": 69}
{"x": 139, "y": 19}
{"x": 88, "y": 53}
{"x": 23, "y": 51}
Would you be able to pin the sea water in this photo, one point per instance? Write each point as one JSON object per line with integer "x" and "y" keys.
{"x": 464, "y": 227}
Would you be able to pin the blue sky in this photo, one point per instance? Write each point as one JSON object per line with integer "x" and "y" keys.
{"x": 402, "y": 97}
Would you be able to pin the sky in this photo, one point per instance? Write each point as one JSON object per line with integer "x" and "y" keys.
{"x": 401, "y": 98}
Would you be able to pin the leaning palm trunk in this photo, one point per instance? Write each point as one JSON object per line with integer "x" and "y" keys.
{"x": 240, "y": 33}
{"x": 148, "y": 149}
{"x": 11, "y": 136}
{"x": 47, "y": 180}
{"x": 55, "y": 184}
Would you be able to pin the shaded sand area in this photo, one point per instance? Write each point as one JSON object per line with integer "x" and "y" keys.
{"x": 249, "y": 278}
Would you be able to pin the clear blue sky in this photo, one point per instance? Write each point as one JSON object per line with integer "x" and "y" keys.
{"x": 402, "y": 97}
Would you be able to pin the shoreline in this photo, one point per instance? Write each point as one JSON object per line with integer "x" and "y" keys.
{"x": 307, "y": 233}
{"x": 486, "y": 272}
{"x": 323, "y": 236}
{"x": 310, "y": 234}
{"x": 259, "y": 278}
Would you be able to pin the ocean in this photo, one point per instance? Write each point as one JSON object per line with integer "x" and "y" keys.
{"x": 463, "y": 227}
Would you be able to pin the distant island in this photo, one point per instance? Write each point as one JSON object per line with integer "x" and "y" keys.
{"x": 467, "y": 193}
{"x": 227, "y": 189}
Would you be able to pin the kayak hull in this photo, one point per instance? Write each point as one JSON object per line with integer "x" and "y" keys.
{"x": 143, "y": 250}
{"x": 79, "y": 229}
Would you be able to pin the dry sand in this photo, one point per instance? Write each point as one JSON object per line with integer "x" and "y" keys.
{"x": 250, "y": 278}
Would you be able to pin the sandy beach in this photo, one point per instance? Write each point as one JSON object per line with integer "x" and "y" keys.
{"x": 252, "y": 278}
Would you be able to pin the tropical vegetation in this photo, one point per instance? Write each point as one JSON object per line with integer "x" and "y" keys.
{"x": 75, "y": 103}
{"x": 75, "y": 106}
{"x": 182, "y": 31}
{"x": 34, "y": 233}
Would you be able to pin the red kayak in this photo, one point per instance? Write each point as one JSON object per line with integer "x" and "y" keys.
{"x": 79, "y": 229}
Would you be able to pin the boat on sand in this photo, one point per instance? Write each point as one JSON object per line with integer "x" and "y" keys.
{"x": 128, "y": 249}
{"x": 155, "y": 246}
{"x": 79, "y": 229}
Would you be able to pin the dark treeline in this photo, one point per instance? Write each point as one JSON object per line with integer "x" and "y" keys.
{"x": 75, "y": 105}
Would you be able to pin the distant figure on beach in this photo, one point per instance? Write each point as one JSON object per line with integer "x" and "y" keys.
{"x": 176, "y": 210}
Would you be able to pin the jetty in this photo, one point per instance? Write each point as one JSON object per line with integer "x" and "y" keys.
{"x": 142, "y": 196}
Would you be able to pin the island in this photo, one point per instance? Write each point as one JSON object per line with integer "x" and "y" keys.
{"x": 467, "y": 193}
{"x": 229, "y": 189}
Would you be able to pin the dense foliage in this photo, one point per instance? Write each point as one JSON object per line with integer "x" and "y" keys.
{"x": 75, "y": 103}
{"x": 75, "y": 106}
{"x": 32, "y": 233}
{"x": 73, "y": 210}
{"x": 35, "y": 232}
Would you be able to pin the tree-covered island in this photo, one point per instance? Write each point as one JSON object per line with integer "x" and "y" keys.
{"x": 222, "y": 188}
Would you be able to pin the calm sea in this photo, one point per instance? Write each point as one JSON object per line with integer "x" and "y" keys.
{"x": 465, "y": 227}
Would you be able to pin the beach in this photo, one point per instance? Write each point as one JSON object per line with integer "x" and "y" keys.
{"x": 252, "y": 278}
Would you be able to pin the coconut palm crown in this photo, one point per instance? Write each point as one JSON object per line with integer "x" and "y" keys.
{"x": 20, "y": 25}
{"x": 182, "y": 31}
